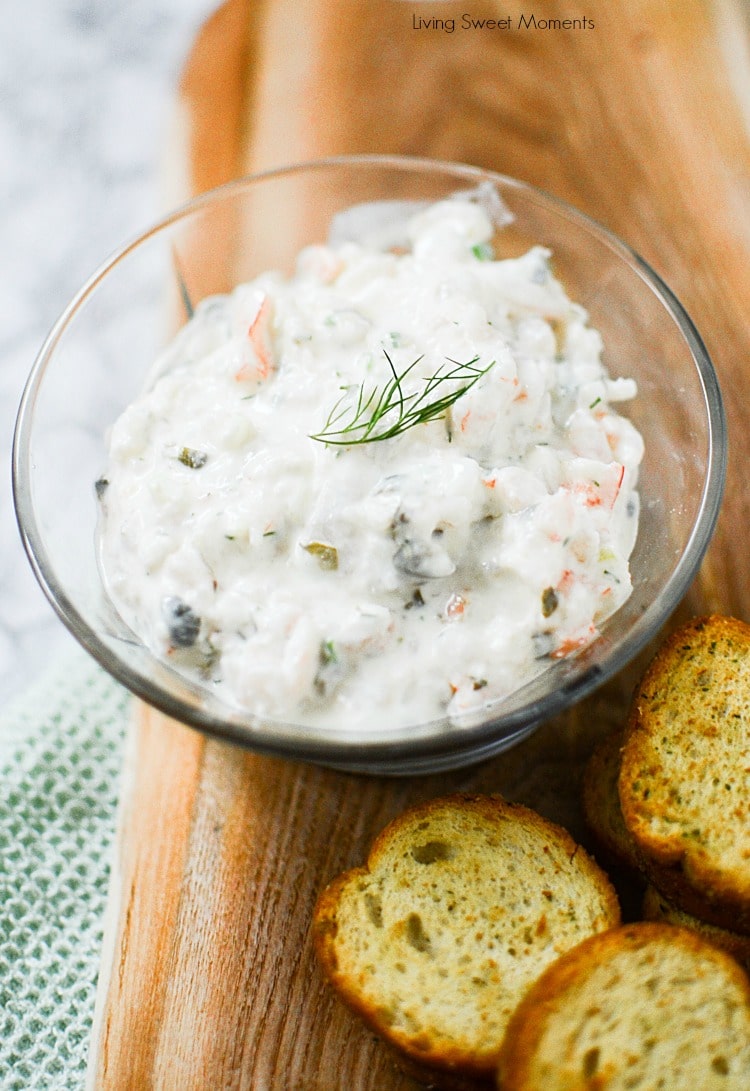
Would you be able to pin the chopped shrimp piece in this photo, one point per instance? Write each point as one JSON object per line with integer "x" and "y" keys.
{"x": 259, "y": 336}
{"x": 566, "y": 581}
{"x": 573, "y": 643}
{"x": 455, "y": 606}
{"x": 598, "y": 485}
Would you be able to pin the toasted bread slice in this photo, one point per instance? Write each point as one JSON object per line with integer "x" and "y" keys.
{"x": 684, "y": 782}
{"x": 601, "y": 805}
{"x": 463, "y": 902}
{"x": 642, "y": 1006}
{"x": 657, "y": 907}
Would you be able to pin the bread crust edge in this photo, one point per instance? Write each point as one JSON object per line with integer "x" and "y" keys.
{"x": 681, "y": 872}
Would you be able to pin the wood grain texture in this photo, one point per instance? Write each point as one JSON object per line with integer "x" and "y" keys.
{"x": 208, "y": 979}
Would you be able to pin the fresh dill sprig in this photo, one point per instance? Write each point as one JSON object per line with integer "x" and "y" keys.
{"x": 382, "y": 413}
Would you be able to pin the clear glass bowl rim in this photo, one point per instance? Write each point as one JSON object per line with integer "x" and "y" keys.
{"x": 429, "y": 744}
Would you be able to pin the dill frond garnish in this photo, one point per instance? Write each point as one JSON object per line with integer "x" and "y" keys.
{"x": 385, "y": 412}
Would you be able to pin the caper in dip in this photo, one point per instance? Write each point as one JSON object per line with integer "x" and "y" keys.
{"x": 390, "y": 488}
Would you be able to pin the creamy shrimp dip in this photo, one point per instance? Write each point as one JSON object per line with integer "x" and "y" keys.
{"x": 387, "y": 489}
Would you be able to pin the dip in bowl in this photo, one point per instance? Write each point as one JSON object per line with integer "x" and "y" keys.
{"x": 77, "y": 467}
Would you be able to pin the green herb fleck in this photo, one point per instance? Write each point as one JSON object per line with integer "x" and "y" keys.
{"x": 550, "y": 601}
{"x": 210, "y": 656}
{"x": 188, "y": 456}
{"x": 368, "y": 415}
{"x": 595, "y": 403}
{"x": 328, "y": 653}
{"x": 483, "y": 251}
{"x": 326, "y": 555}
{"x": 417, "y": 599}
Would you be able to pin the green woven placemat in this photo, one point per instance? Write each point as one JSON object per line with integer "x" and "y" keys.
{"x": 60, "y": 757}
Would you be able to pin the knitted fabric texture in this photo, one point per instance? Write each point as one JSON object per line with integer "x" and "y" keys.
{"x": 60, "y": 758}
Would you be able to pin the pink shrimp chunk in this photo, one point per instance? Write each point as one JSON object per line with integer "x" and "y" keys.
{"x": 259, "y": 336}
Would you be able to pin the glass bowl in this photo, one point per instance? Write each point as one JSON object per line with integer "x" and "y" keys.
{"x": 96, "y": 358}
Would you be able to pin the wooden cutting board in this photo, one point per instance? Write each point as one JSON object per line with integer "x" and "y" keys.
{"x": 643, "y": 121}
